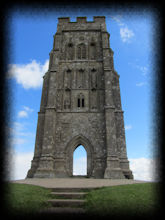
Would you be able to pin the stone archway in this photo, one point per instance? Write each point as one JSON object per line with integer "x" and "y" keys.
{"x": 71, "y": 146}
{"x": 80, "y": 162}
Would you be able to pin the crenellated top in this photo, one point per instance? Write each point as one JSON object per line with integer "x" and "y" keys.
{"x": 63, "y": 20}
{"x": 96, "y": 19}
{"x": 65, "y": 24}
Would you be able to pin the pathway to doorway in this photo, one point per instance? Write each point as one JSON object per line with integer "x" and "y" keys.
{"x": 76, "y": 182}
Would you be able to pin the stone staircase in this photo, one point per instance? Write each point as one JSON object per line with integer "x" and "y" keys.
{"x": 67, "y": 201}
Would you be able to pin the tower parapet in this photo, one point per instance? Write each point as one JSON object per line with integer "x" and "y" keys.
{"x": 81, "y": 23}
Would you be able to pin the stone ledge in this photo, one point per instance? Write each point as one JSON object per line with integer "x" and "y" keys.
{"x": 76, "y": 182}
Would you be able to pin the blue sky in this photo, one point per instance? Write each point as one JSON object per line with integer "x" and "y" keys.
{"x": 131, "y": 39}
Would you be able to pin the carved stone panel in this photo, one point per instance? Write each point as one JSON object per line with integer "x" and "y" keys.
{"x": 67, "y": 79}
{"x": 60, "y": 79}
{"x": 81, "y": 51}
{"x": 58, "y": 135}
{"x": 80, "y": 78}
{"x": 73, "y": 81}
{"x": 93, "y": 78}
{"x": 70, "y": 51}
{"x": 93, "y": 99}
{"x": 67, "y": 99}
{"x": 59, "y": 101}
{"x": 92, "y": 51}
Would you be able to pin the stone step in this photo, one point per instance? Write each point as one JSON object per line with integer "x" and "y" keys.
{"x": 66, "y": 202}
{"x": 64, "y": 210}
{"x": 79, "y": 176}
{"x": 73, "y": 189}
{"x": 69, "y": 195}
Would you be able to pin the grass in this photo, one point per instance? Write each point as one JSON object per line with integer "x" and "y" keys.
{"x": 134, "y": 199}
{"x": 22, "y": 198}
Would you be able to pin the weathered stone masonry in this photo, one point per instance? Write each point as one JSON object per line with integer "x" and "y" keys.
{"x": 81, "y": 104}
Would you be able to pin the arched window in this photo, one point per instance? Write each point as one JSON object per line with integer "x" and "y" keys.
{"x": 80, "y": 101}
{"x": 81, "y": 51}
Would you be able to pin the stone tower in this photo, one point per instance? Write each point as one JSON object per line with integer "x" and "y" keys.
{"x": 81, "y": 105}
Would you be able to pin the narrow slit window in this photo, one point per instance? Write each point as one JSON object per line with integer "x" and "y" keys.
{"x": 78, "y": 102}
{"x": 83, "y": 102}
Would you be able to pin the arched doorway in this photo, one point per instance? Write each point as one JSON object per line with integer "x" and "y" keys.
{"x": 70, "y": 148}
{"x": 80, "y": 161}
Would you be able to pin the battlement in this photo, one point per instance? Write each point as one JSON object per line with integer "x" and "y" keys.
{"x": 63, "y": 20}
{"x": 96, "y": 19}
{"x": 99, "y": 19}
{"x": 81, "y": 23}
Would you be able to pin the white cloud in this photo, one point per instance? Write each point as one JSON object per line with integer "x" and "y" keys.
{"x": 28, "y": 109}
{"x": 143, "y": 69}
{"x": 19, "y": 164}
{"x": 143, "y": 168}
{"x": 18, "y": 126}
{"x": 28, "y": 75}
{"x": 140, "y": 84}
{"x": 17, "y": 134}
{"x": 117, "y": 18}
{"x": 17, "y": 141}
{"x": 126, "y": 34}
{"x": 80, "y": 166}
{"x": 22, "y": 114}
{"x": 128, "y": 127}
{"x": 16, "y": 129}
